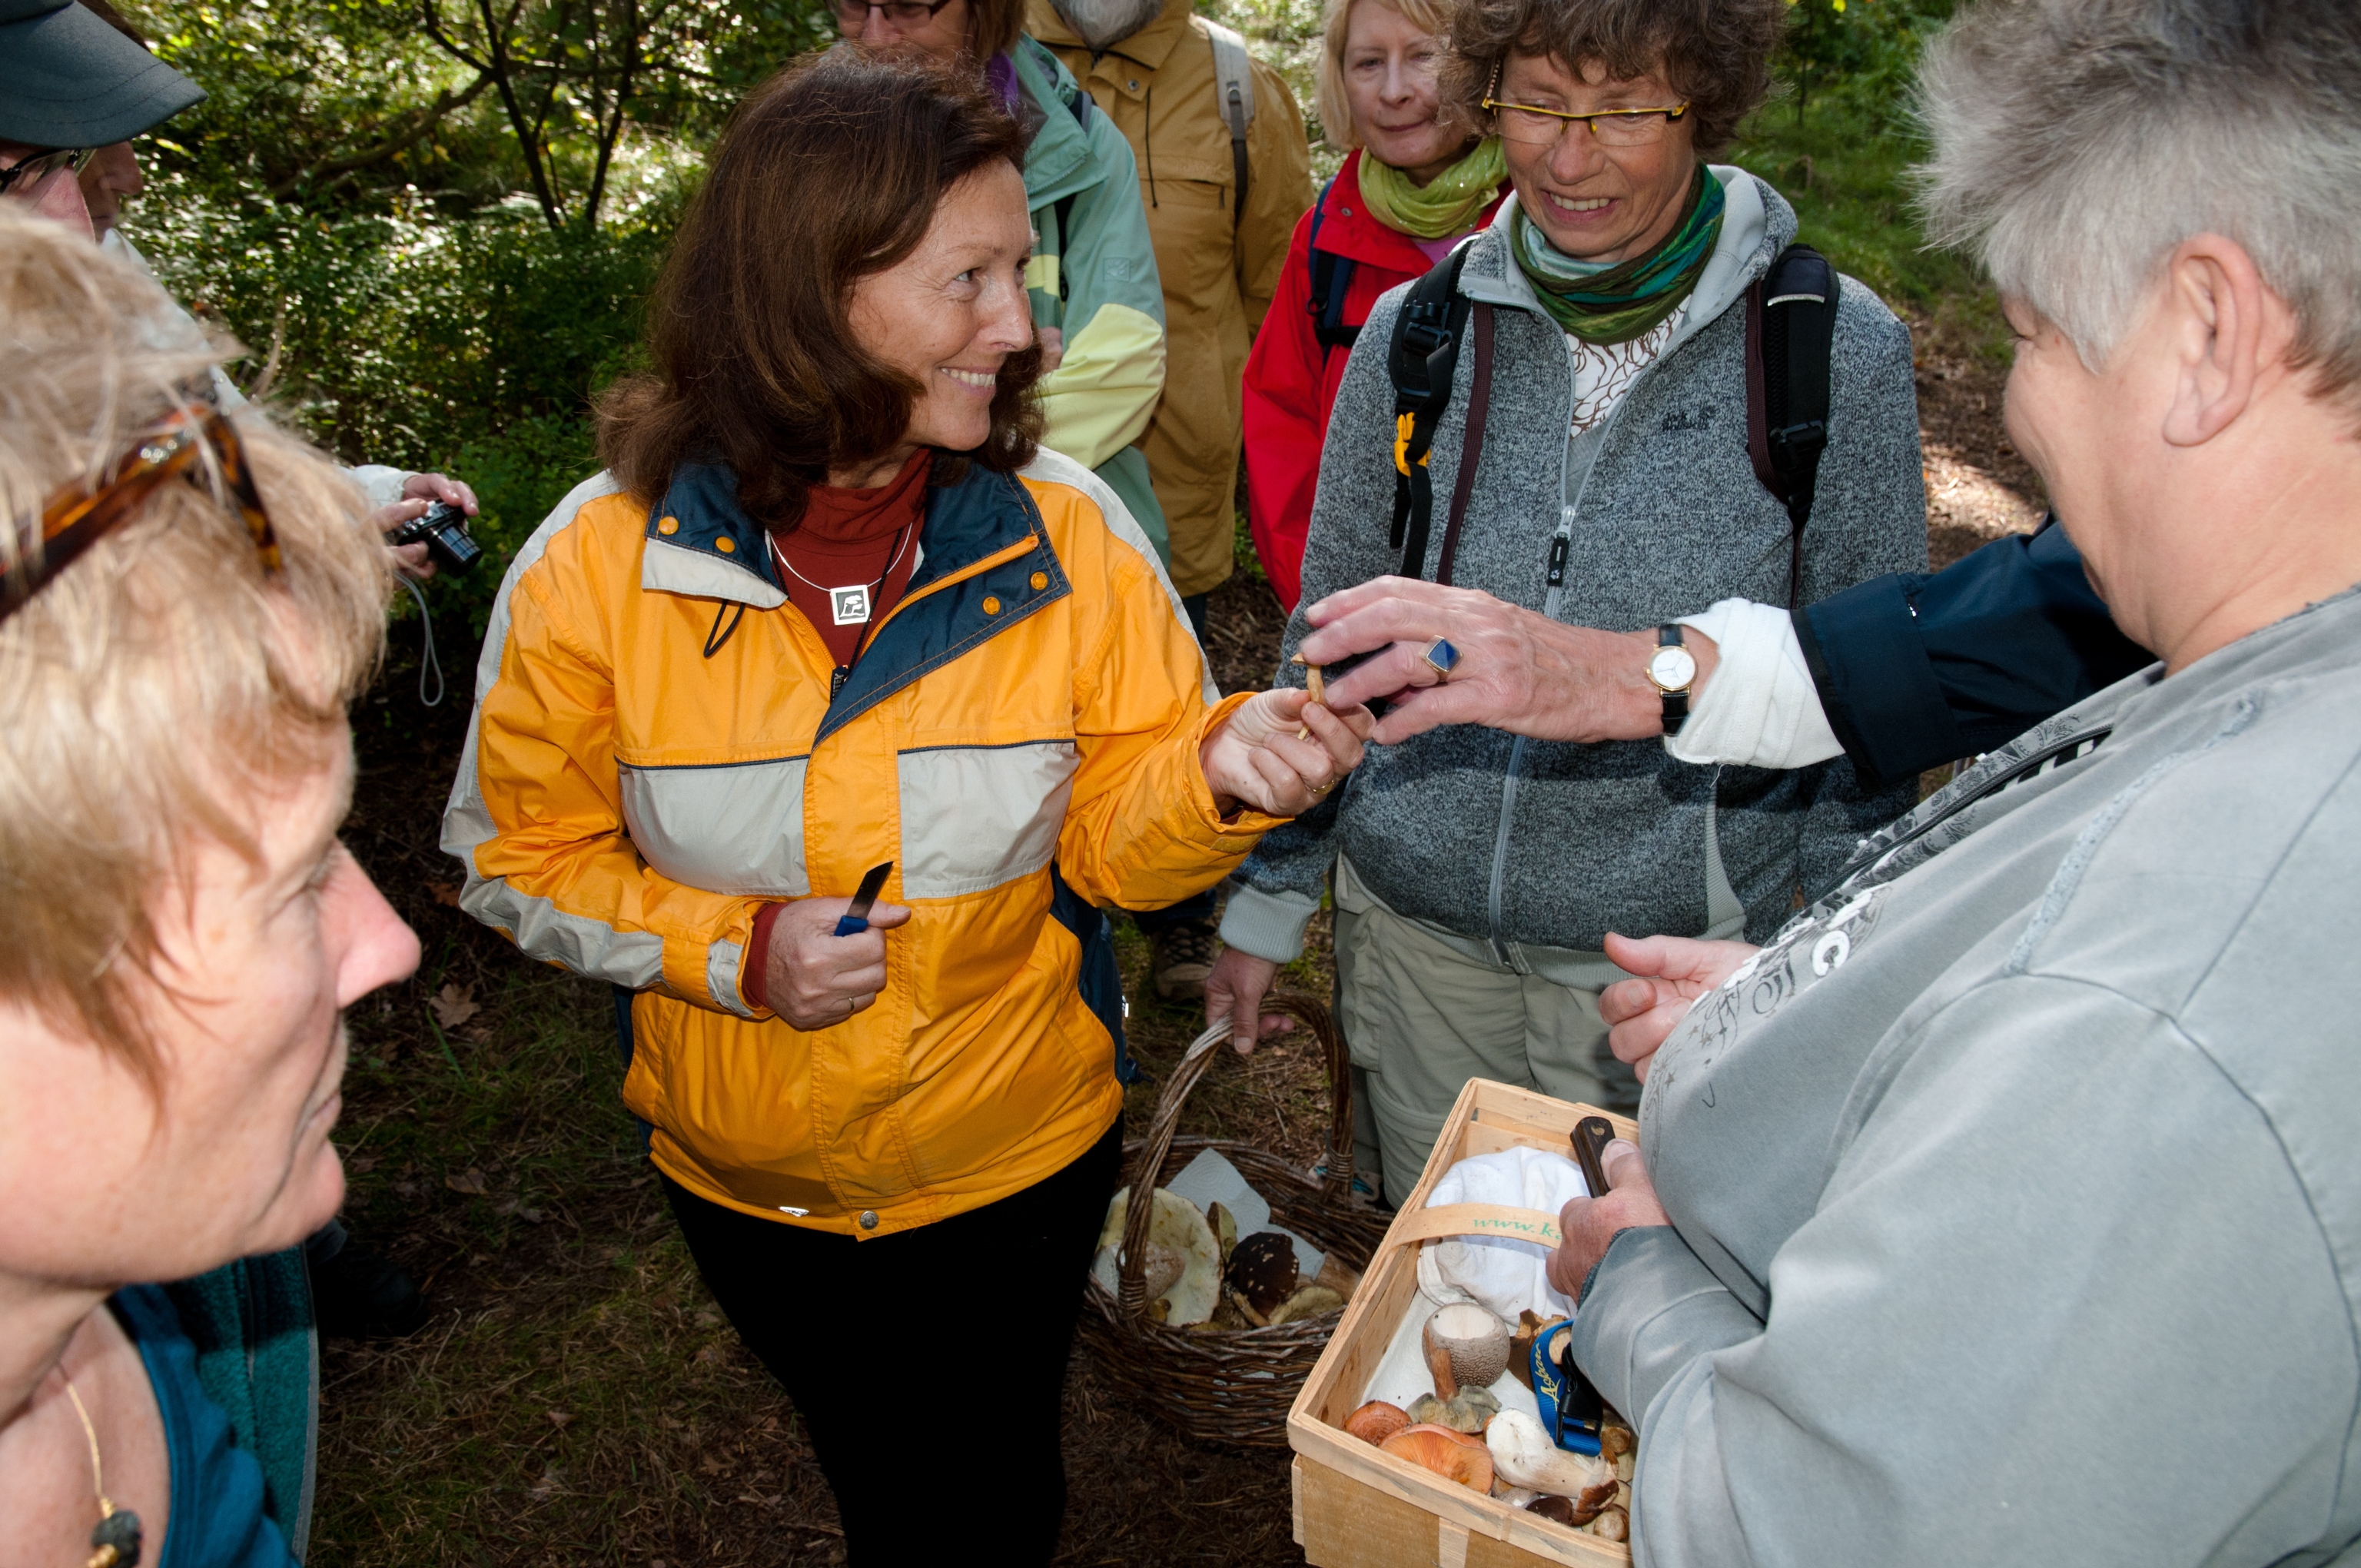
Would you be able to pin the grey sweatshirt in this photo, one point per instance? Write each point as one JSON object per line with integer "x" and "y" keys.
{"x": 1535, "y": 850}
{"x": 2016, "y": 1187}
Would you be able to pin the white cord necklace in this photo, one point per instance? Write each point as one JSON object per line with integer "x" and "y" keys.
{"x": 849, "y": 605}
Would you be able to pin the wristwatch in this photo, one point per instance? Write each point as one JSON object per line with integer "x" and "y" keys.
{"x": 1671, "y": 668}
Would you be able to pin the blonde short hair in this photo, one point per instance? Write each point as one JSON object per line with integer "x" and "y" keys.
{"x": 163, "y": 674}
{"x": 1328, "y": 100}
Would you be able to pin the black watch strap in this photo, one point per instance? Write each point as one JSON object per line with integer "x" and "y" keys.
{"x": 1677, "y": 703}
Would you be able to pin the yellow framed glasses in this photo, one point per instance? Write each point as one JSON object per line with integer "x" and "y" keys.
{"x": 1536, "y": 127}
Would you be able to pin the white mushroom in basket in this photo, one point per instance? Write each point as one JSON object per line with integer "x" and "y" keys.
{"x": 1183, "y": 1268}
{"x": 1523, "y": 1455}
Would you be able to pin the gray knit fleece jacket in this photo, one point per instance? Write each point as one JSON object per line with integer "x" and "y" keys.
{"x": 1538, "y": 848}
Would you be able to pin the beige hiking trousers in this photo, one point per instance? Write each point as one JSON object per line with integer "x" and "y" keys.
{"x": 1423, "y": 1017}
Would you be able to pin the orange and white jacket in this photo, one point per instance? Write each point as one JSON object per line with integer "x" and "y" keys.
{"x": 656, "y": 754}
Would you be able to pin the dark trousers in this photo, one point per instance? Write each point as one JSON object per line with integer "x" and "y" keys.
{"x": 927, "y": 1365}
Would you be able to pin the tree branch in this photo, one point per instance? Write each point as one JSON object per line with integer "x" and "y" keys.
{"x": 425, "y": 119}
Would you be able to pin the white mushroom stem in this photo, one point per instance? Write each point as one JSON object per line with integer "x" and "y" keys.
{"x": 1523, "y": 1455}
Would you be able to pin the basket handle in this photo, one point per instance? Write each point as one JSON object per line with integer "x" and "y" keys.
{"x": 1131, "y": 1291}
{"x": 1474, "y": 1220}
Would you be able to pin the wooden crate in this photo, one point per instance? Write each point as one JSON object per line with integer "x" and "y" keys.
{"x": 1358, "y": 1508}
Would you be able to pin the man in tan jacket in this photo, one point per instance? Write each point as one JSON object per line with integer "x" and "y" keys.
{"x": 1165, "y": 76}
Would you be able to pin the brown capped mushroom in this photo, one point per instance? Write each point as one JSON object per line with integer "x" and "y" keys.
{"x": 1376, "y": 1422}
{"x": 1263, "y": 1271}
{"x": 1612, "y": 1524}
{"x": 1553, "y": 1507}
{"x": 1452, "y": 1455}
{"x": 1594, "y": 1501}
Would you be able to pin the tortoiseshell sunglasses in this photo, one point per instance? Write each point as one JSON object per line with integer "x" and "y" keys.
{"x": 78, "y": 516}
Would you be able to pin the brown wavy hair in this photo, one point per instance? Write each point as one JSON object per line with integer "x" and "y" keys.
{"x": 1715, "y": 53}
{"x": 828, "y": 173}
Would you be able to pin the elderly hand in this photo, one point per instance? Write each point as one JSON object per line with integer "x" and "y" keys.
{"x": 1672, "y": 971}
{"x": 1518, "y": 671}
{"x": 1256, "y": 759}
{"x": 1591, "y": 1224}
{"x": 419, "y": 492}
{"x": 814, "y": 978}
{"x": 1234, "y": 991}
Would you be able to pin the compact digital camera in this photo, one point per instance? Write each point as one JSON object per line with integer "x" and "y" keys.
{"x": 445, "y": 530}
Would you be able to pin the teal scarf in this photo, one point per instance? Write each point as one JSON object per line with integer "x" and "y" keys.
{"x": 1616, "y": 302}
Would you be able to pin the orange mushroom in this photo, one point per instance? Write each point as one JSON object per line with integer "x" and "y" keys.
{"x": 1376, "y": 1422}
{"x": 1452, "y": 1455}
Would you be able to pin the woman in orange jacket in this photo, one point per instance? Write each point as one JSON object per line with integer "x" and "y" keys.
{"x": 831, "y": 609}
{"x": 1416, "y": 183}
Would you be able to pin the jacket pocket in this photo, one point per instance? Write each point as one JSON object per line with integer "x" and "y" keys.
{"x": 734, "y": 828}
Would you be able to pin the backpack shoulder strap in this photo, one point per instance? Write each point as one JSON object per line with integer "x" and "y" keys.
{"x": 1420, "y": 360}
{"x": 1332, "y": 279}
{"x": 1791, "y": 325}
{"x": 1234, "y": 99}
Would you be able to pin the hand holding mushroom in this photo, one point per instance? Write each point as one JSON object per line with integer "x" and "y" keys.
{"x": 1281, "y": 753}
{"x": 1591, "y": 1224}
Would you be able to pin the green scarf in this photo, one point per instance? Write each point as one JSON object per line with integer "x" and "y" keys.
{"x": 1617, "y": 301}
{"x": 1444, "y": 205}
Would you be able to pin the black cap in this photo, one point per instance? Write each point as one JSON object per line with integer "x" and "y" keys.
{"x": 67, "y": 79}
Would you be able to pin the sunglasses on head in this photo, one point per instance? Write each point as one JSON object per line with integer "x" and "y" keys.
{"x": 78, "y": 515}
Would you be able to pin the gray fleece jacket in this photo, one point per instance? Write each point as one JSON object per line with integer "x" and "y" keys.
{"x": 1530, "y": 852}
{"x": 2016, "y": 1187}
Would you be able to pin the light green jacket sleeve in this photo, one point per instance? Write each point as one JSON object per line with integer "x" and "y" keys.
{"x": 1104, "y": 391}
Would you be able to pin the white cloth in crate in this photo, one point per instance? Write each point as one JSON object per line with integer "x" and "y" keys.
{"x": 1504, "y": 1276}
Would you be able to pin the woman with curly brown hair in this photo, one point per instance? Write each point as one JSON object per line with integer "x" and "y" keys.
{"x": 1478, "y": 874}
{"x": 832, "y": 619}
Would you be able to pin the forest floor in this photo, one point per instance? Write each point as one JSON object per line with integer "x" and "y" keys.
{"x": 575, "y": 1396}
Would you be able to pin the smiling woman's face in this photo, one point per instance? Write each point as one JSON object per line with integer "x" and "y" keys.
{"x": 948, "y": 315}
{"x": 1595, "y": 202}
{"x": 1389, "y": 70}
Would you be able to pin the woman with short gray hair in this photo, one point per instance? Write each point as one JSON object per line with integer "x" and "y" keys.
{"x": 2011, "y": 1194}
{"x": 1605, "y": 309}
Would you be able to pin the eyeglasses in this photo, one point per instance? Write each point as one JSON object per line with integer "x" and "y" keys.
{"x": 78, "y": 516}
{"x": 1537, "y": 126}
{"x": 851, "y": 14}
{"x": 40, "y": 166}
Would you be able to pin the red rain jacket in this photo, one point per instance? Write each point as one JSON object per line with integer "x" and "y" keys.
{"x": 1291, "y": 381}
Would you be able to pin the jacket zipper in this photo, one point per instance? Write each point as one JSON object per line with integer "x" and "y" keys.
{"x": 1560, "y": 543}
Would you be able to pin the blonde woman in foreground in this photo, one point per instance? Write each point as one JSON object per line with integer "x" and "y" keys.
{"x": 181, "y": 927}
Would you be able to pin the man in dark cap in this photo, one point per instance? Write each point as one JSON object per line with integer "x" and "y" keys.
{"x": 70, "y": 84}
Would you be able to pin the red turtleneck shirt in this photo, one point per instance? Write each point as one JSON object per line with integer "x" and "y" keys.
{"x": 851, "y": 539}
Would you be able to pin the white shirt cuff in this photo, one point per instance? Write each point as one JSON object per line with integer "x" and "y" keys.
{"x": 1761, "y": 708}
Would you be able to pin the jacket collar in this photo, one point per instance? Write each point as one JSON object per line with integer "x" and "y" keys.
{"x": 1058, "y": 158}
{"x": 981, "y": 546}
{"x": 1149, "y": 49}
{"x": 1346, "y": 228}
{"x": 1756, "y": 226}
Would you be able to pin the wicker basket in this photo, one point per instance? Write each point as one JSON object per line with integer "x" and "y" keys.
{"x": 1232, "y": 1385}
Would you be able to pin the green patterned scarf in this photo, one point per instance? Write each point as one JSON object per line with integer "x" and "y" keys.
{"x": 1617, "y": 301}
{"x": 1444, "y": 205}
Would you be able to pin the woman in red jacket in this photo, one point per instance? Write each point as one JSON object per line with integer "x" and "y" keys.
{"x": 1415, "y": 184}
